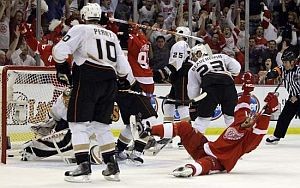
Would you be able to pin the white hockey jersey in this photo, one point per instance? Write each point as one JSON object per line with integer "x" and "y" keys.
{"x": 179, "y": 52}
{"x": 95, "y": 44}
{"x": 217, "y": 69}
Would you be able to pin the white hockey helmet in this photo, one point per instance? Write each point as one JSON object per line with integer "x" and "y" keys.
{"x": 200, "y": 50}
{"x": 91, "y": 11}
{"x": 182, "y": 30}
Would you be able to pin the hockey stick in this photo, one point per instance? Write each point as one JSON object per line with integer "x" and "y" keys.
{"x": 159, "y": 147}
{"x": 53, "y": 137}
{"x": 275, "y": 91}
{"x": 155, "y": 29}
{"x": 196, "y": 99}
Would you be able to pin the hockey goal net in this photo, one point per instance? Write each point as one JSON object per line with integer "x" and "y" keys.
{"x": 27, "y": 94}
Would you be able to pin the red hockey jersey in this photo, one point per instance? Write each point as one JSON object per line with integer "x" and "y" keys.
{"x": 236, "y": 141}
{"x": 44, "y": 48}
{"x": 138, "y": 49}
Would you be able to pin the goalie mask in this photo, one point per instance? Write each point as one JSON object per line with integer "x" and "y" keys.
{"x": 184, "y": 31}
{"x": 199, "y": 51}
{"x": 91, "y": 11}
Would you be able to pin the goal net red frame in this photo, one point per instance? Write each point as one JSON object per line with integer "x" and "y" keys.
{"x": 27, "y": 94}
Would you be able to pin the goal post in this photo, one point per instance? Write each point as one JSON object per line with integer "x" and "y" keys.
{"x": 27, "y": 94}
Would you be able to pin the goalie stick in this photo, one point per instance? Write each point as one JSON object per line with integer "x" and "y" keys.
{"x": 196, "y": 99}
{"x": 53, "y": 137}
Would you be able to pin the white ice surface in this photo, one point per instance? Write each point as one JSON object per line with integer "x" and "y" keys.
{"x": 269, "y": 166}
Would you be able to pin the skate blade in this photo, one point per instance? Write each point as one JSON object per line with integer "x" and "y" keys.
{"x": 134, "y": 162}
{"x": 78, "y": 179}
{"x": 113, "y": 177}
{"x": 272, "y": 143}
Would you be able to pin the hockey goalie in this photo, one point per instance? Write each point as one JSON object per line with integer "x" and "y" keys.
{"x": 53, "y": 136}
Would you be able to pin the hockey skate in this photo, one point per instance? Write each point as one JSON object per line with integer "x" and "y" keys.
{"x": 135, "y": 158}
{"x": 80, "y": 175}
{"x": 121, "y": 156}
{"x": 151, "y": 143}
{"x": 43, "y": 128}
{"x": 272, "y": 140}
{"x": 112, "y": 171}
{"x": 182, "y": 172}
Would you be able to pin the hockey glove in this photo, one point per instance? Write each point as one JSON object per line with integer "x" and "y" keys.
{"x": 164, "y": 73}
{"x": 272, "y": 103}
{"x": 247, "y": 88}
{"x": 136, "y": 87}
{"x": 248, "y": 78}
{"x": 193, "y": 111}
{"x": 63, "y": 73}
{"x": 123, "y": 83}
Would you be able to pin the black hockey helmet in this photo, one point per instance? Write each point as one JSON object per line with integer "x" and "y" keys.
{"x": 288, "y": 55}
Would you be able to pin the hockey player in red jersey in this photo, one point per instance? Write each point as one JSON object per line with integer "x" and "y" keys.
{"x": 138, "y": 57}
{"x": 242, "y": 136}
{"x": 43, "y": 47}
{"x": 141, "y": 80}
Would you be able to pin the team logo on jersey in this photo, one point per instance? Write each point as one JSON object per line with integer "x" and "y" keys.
{"x": 254, "y": 106}
{"x": 232, "y": 134}
{"x": 116, "y": 113}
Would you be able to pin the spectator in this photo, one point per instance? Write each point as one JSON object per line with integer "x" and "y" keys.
{"x": 281, "y": 47}
{"x": 267, "y": 66}
{"x": 4, "y": 24}
{"x": 160, "y": 54}
{"x": 237, "y": 29}
{"x": 271, "y": 52}
{"x": 22, "y": 57}
{"x": 3, "y": 58}
{"x": 160, "y": 23}
{"x": 260, "y": 40}
{"x": 148, "y": 11}
{"x": 109, "y": 6}
{"x": 56, "y": 9}
{"x": 124, "y": 10}
{"x": 15, "y": 21}
{"x": 254, "y": 56}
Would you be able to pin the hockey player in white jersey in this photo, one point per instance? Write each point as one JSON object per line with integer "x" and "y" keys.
{"x": 213, "y": 74}
{"x": 98, "y": 61}
{"x": 176, "y": 73}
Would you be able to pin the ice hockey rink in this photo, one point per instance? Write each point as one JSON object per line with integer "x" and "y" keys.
{"x": 269, "y": 166}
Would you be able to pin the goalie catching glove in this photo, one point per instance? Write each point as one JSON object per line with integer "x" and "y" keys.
{"x": 63, "y": 73}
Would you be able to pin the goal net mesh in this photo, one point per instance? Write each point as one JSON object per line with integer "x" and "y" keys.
{"x": 26, "y": 98}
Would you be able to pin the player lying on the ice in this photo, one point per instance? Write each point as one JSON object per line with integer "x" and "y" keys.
{"x": 242, "y": 136}
{"x": 57, "y": 126}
